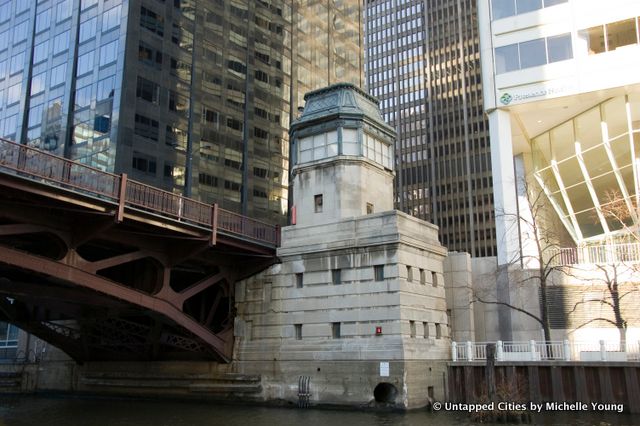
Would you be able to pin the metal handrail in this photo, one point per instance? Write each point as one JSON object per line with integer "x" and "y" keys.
{"x": 595, "y": 254}
{"x": 548, "y": 351}
{"x": 62, "y": 172}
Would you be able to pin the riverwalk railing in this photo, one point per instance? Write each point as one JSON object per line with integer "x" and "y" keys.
{"x": 42, "y": 166}
{"x": 595, "y": 254}
{"x": 548, "y": 351}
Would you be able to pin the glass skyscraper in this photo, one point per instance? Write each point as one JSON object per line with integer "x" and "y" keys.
{"x": 194, "y": 96}
{"x": 423, "y": 63}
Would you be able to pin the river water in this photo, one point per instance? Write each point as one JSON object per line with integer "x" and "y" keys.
{"x": 72, "y": 411}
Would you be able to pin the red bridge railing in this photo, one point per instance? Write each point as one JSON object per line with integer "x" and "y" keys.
{"x": 62, "y": 172}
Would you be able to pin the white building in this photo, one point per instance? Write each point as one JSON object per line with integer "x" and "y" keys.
{"x": 562, "y": 92}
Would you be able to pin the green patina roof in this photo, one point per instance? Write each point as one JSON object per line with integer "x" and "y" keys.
{"x": 341, "y": 100}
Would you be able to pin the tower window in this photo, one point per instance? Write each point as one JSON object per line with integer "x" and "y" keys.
{"x": 299, "y": 280}
{"x": 336, "y": 276}
{"x": 298, "y": 330}
{"x": 378, "y": 272}
{"x": 335, "y": 330}
{"x": 318, "y": 203}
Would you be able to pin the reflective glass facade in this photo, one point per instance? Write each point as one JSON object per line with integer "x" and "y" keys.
{"x": 423, "y": 65}
{"x": 194, "y": 96}
{"x": 590, "y": 161}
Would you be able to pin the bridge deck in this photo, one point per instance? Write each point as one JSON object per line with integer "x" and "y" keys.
{"x": 43, "y": 167}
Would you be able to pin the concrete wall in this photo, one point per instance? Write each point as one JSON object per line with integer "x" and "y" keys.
{"x": 458, "y": 284}
{"x": 346, "y": 184}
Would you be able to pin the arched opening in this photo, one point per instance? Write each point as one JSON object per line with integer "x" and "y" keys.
{"x": 385, "y": 393}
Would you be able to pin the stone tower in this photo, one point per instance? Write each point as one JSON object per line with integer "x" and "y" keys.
{"x": 357, "y": 304}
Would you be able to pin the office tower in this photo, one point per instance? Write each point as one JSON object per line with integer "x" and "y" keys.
{"x": 563, "y": 98}
{"x": 194, "y": 96}
{"x": 423, "y": 64}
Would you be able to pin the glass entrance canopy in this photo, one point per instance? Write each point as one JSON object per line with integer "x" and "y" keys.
{"x": 590, "y": 161}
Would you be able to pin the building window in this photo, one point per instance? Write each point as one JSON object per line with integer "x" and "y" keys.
{"x": 608, "y": 37}
{"x": 369, "y": 208}
{"x": 146, "y": 127}
{"x": 533, "y": 53}
{"x": 5, "y": 11}
{"x": 412, "y": 328}
{"x": 144, "y": 163}
{"x": 559, "y": 48}
{"x": 8, "y": 340}
{"x": 20, "y": 32}
{"x": 61, "y": 42}
{"x": 63, "y": 10}
{"x": 423, "y": 278}
{"x": 86, "y": 4}
{"x": 43, "y": 21}
{"x": 88, "y": 29}
{"x": 178, "y": 104}
{"x": 234, "y": 124}
{"x": 409, "y": 274}
{"x": 298, "y": 331}
{"x": 181, "y": 69}
{"x": 109, "y": 53}
{"x": 151, "y": 21}
{"x": 378, "y": 272}
{"x": 318, "y": 203}
{"x": 299, "y": 280}
{"x": 506, "y": 8}
{"x": 13, "y": 94}
{"x": 507, "y": 58}
{"x": 335, "y": 330}
{"x": 40, "y": 53}
{"x": 85, "y": 64}
{"x": 336, "y": 276}
{"x": 175, "y": 137}
{"x": 182, "y": 37}
{"x": 83, "y": 97}
{"x": 149, "y": 55}
{"x": 17, "y": 63}
{"x": 38, "y": 83}
{"x": 148, "y": 90}
{"x": 208, "y": 180}
{"x": 111, "y": 18}
{"x": 434, "y": 279}
{"x": 438, "y": 331}
{"x": 318, "y": 147}
{"x": 106, "y": 88}
{"x": 373, "y": 148}
{"x": 425, "y": 328}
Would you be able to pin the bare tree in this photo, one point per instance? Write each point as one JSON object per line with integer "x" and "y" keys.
{"x": 536, "y": 264}
{"x": 618, "y": 264}
{"x": 625, "y": 212}
{"x": 613, "y": 289}
{"x": 544, "y": 261}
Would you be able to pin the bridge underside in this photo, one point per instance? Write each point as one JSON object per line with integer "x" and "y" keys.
{"x": 144, "y": 288}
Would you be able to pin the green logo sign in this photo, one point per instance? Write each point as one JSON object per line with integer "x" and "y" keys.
{"x": 506, "y": 99}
